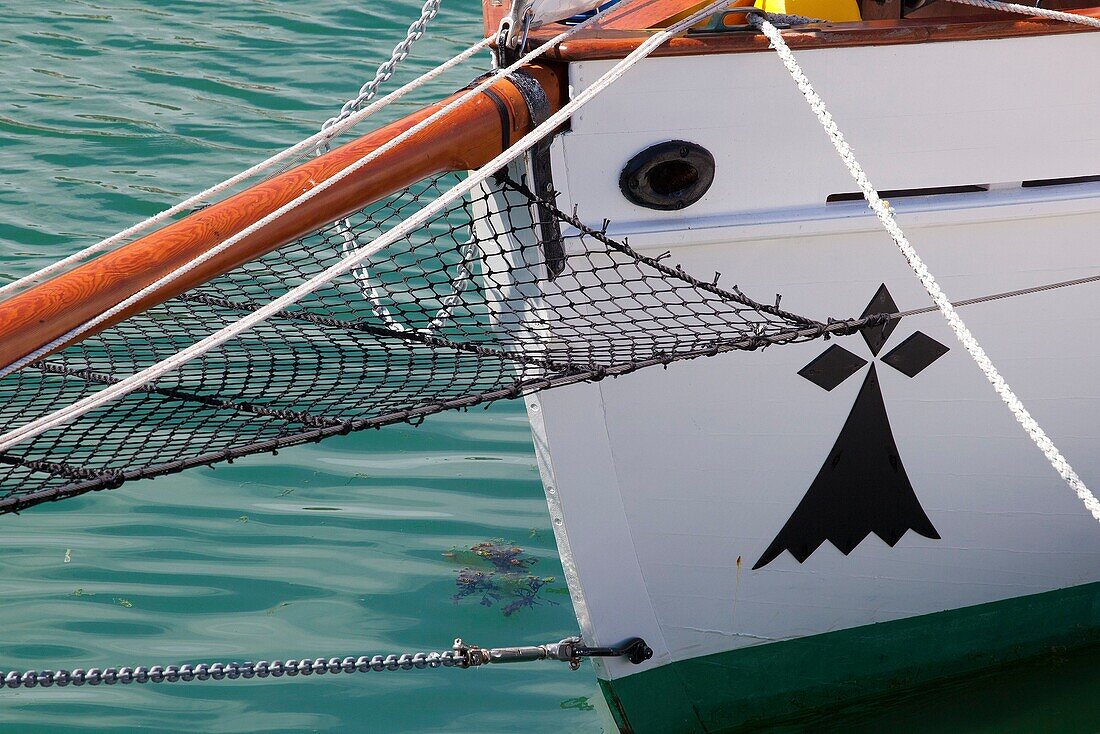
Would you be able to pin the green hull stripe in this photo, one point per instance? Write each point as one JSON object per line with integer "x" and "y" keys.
{"x": 763, "y": 683}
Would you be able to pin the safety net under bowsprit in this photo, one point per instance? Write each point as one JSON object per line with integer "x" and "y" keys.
{"x": 457, "y": 291}
{"x": 416, "y": 303}
{"x": 464, "y": 312}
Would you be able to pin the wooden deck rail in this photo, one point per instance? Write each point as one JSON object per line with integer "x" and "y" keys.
{"x": 467, "y": 138}
{"x": 624, "y": 29}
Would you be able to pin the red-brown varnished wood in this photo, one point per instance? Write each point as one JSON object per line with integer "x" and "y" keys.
{"x": 492, "y": 12}
{"x": 933, "y": 23}
{"x": 465, "y": 139}
{"x": 611, "y": 44}
{"x": 628, "y": 16}
{"x": 647, "y": 13}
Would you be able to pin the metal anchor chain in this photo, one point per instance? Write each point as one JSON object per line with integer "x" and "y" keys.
{"x": 386, "y": 70}
{"x": 570, "y": 650}
{"x": 349, "y": 239}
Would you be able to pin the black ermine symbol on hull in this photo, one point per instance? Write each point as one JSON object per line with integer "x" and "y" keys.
{"x": 862, "y": 487}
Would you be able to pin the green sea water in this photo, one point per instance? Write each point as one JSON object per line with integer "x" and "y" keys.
{"x": 110, "y": 111}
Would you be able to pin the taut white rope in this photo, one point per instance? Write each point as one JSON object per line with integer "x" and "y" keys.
{"x": 1032, "y": 10}
{"x": 319, "y": 138}
{"x": 304, "y": 197}
{"x": 886, "y": 215}
{"x": 143, "y": 377}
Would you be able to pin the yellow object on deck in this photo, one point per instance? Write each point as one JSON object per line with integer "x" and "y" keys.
{"x": 839, "y": 11}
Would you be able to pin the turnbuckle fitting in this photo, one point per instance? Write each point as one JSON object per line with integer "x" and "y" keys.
{"x": 570, "y": 650}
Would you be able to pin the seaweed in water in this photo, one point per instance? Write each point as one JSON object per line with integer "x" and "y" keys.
{"x": 498, "y": 572}
{"x": 580, "y": 703}
{"x": 472, "y": 582}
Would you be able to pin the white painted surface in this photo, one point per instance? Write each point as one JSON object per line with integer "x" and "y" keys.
{"x": 938, "y": 114}
{"x": 664, "y": 479}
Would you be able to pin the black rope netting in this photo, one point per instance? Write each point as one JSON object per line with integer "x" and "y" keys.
{"x": 462, "y": 314}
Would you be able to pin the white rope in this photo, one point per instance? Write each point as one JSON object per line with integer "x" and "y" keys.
{"x": 294, "y": 203}
{"x": 319, "y": 138}
{"x": 886, "y": 216}
{"x": 259, "y": 224}
{"x": 1030, "y": 10}
{"x": 400, "y": 231}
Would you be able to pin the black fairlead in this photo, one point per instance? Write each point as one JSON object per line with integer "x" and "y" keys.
{"x": 668, "y": 176}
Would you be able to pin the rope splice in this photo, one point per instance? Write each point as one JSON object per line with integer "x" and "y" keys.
{"x": 570, "y": 650}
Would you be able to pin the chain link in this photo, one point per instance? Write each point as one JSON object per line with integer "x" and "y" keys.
{"x": 233, "y": 671}
{"x": 570, "y": 650}
{"x": 385, "y": 70}
{"x": 350, "y": 242}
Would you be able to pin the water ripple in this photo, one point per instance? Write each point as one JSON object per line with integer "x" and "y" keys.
{"x": 113, "y": 110}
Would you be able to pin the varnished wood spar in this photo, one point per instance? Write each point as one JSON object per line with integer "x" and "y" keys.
{"x": 612, "y": 44}
{"x": 633, "y": 15}
{"x": 642, "y": 14}
{"x": 465, "y": 139}
{"x": 614, "y": 39}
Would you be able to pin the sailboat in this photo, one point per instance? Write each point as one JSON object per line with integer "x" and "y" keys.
{"x": 765, "y": 505}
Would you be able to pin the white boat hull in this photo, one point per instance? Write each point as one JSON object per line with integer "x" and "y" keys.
{"x": 667, "y": 487}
